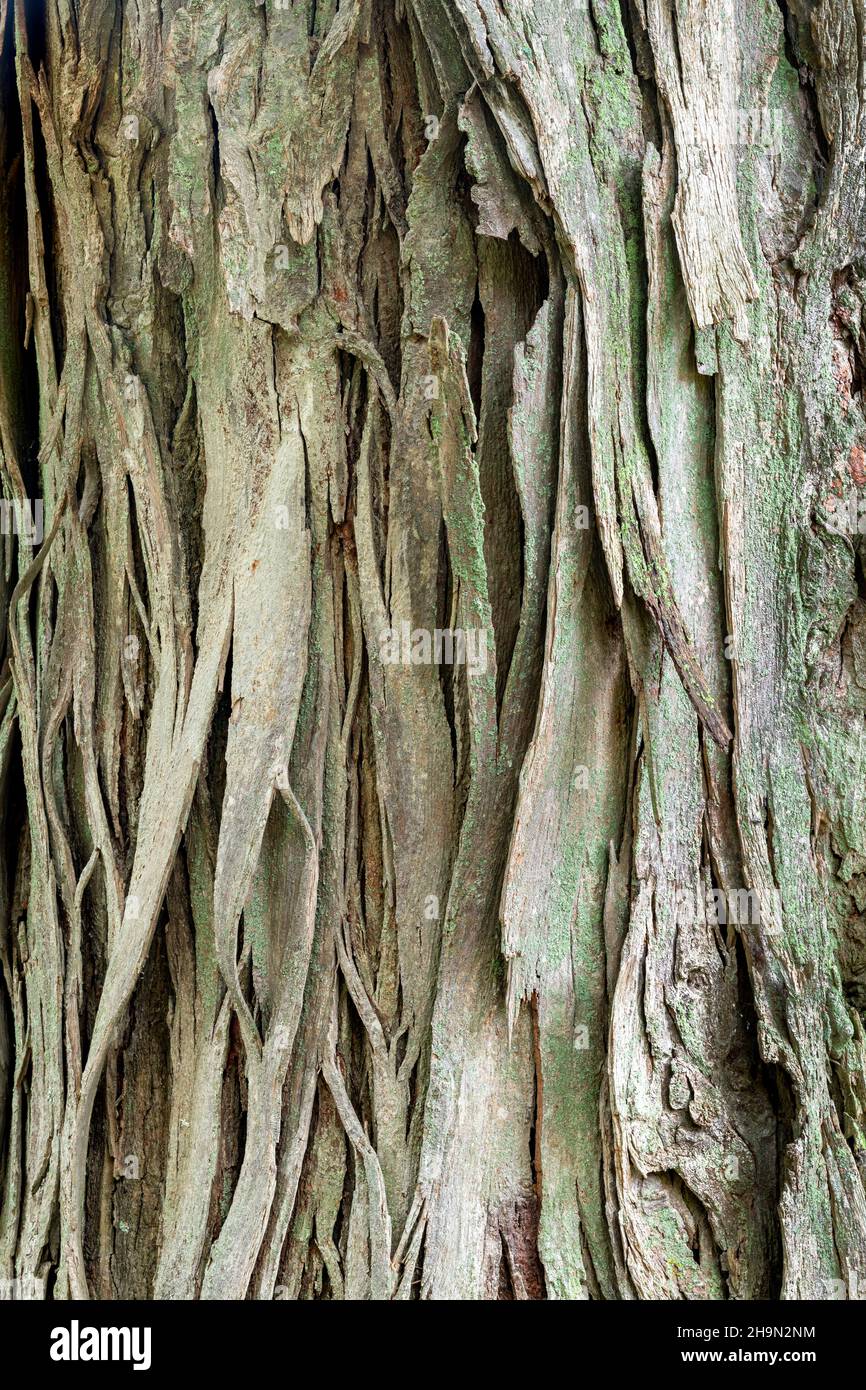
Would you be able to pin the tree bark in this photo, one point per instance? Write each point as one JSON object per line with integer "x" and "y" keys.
{"x": 433, "y": 705}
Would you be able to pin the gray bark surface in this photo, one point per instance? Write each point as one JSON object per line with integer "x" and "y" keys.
{"x": 338, "y": 963}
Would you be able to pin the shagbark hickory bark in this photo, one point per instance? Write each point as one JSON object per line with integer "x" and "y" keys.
{"x": 432, "y": 717}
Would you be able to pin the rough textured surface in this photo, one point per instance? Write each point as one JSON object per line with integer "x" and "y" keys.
{"x": 432, "y": 709}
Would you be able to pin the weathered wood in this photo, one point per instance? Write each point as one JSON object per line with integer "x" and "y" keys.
{"x": 432, "y": 708}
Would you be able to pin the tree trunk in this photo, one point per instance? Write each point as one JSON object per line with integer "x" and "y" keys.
{"x": 433, "y": 701}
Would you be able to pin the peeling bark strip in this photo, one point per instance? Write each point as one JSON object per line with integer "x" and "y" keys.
{"x": 446, "y": 424}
